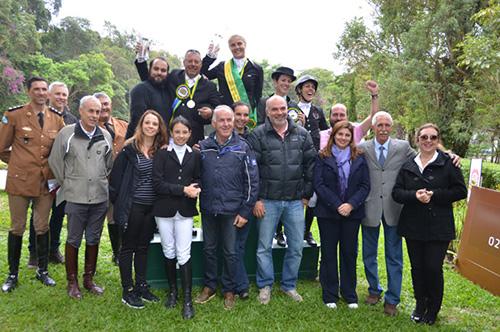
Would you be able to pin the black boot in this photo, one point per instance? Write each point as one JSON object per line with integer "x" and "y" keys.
{"x": 115, "y": 238}
{"x": 42, "y": 250}
{"x": 307, "y": 232}
{"x": 187, "y": 281}
{"x": 171, "y": 272}
{"x": 14, "y": 244}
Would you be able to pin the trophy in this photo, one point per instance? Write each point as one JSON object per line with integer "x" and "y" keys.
{"x": 143, "y": 47}
{"x": 214, "y": 47}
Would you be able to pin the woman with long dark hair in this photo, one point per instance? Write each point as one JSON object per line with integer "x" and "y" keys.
{"x": 342, "y": 184}
{"x": 133, "y": 195}
{"x": 427, "y": 185}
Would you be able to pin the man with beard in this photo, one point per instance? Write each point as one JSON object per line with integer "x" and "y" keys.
{"x": 194, "y": 97}
{"x": 117, "y": 129}
{"x": 285, "y": 155}
{"x": 240, "y": 79}
{"x": 150, "y": 94}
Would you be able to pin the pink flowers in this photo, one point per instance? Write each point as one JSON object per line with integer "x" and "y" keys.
{"x": 13, "y": 78}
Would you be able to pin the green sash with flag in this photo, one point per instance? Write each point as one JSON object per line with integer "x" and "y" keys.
{"x": 237, "y": 88}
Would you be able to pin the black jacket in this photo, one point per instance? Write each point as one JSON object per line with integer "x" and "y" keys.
{"x": 169, "y": 179}
{"x": 229, "y": 177}
{"x": 253, "y": 80}
{"x": 285, "y": 166}
{"x": 122, "y": 183}
{"x": 327, "y": 187}
{"x": 315, "y": 122}
{"x": 206, "y": 94}
{"x": 145, "y": 96}
{"x": 432, "y": 221}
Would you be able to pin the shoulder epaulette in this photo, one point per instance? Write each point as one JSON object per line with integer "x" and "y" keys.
{"x": 15, "y": 108}
{"x": 55, "y": 111}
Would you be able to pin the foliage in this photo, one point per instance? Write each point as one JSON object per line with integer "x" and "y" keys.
{"x": 414, "y": 53}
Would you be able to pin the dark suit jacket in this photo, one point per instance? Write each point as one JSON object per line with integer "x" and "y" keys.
{"x": 169, "y": 179}
{"x": 253, "y": 80}
{"x": 206, "y": 94}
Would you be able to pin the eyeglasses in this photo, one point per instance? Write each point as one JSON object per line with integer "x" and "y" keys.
{"x": 431, "y": 137}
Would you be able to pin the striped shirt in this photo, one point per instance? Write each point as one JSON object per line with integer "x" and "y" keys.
{"x": 144, "y": 192}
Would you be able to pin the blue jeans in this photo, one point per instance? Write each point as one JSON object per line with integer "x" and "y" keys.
{"x": 291, "y": 214}
{"x": 393, "y": 261}
{"x": 241, "y": 277}
{"x": 219, "y": 230}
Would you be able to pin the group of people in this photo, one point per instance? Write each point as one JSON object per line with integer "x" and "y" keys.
{"x": 269, "y": 161}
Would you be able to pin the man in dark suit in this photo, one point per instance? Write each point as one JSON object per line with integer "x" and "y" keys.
{"x": 240, "y": 79}
{"x": 385, "y": 156}
{"x": 193, "y": 96}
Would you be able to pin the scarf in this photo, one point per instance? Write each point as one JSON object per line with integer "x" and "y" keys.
{"x": 342, "y": 158}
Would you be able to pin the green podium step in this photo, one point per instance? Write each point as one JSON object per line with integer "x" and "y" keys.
{"x": 156, "y": 271}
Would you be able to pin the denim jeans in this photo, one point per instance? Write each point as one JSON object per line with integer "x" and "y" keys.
{"x": 393, "y": 261}
{"x": 219, "y": 230}
{"x": 291, "y": 214}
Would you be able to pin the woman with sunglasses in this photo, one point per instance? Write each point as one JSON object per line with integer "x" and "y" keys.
{"x": 427, "y": 186}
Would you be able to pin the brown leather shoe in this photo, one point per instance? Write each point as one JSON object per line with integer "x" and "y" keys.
{"x": 206, "y": 295}
{"x": 390, "y": 309}
{"x": 229, "y": 300}
{"x": 372, "y": 299}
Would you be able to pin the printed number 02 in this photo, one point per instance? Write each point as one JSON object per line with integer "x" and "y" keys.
{"x": 494, "y": 242}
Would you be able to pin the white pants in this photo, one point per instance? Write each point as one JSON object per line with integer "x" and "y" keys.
{"x": 176, "y": 236}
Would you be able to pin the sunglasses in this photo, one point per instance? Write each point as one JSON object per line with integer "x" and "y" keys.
{"x": 431, "y": 137}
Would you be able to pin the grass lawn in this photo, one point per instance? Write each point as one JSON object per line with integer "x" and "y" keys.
{"x": 33, "y": 307}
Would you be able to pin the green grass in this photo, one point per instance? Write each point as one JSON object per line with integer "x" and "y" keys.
{"x": 32, "y": 307}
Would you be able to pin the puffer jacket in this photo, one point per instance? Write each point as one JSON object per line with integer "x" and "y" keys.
{"x": 285, "y": 165}
{"x": 229, "y": 177}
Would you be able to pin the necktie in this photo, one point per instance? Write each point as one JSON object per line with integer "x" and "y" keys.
{"x": 381, "y": 157}
{"x": 40, "y": 119}
{"x": 110, "y": 129}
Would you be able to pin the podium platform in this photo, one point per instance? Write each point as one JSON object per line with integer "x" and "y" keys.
{"x": 156, "y": 277}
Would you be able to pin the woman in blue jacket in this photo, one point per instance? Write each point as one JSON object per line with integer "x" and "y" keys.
{"x": 342, "y": 184}
{"x": 132, "y": 194}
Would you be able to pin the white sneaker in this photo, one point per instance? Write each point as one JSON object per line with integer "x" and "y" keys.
{"x": 264, "y": 295}
{"x": 352, "y": 306}
{"x": 294, "y": 295}
{"x": 332, "y": 305}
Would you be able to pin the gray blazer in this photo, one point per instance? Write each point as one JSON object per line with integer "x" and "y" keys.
{"x": 382, "y": 180}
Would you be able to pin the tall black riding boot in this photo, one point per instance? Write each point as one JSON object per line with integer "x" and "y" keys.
{"x": 42, "y": 250}
{"x": 307, "y": 232}
{"x": 115, "y": 238}
{"x": 171, "y": 272}
{"x": 187, "y": 281}
{"x": 14, "y": 244}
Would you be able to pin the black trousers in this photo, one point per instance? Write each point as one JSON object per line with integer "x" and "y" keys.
{"x": 135, "y": 243}
{"x": 336, "y": 233}
{"x": 426, "y": 258}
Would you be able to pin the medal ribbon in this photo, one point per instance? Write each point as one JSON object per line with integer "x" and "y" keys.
{"x": 178, "y": 101}
{"x": 237, "y": 88}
